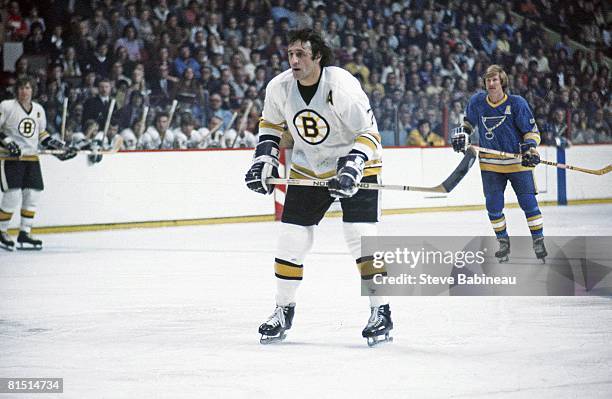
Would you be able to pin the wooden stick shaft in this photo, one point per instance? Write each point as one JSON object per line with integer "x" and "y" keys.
{"x": 601, "y": 171}
{"x": 111, "y": 108}
{"x": 64, "y": 115}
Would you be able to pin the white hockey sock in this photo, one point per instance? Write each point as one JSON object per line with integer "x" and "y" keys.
{"x": 352, "y": 234}
{"x": 28, "y": 208}
{"x": 293, "y": 244}
{"x": 10, "y": 200}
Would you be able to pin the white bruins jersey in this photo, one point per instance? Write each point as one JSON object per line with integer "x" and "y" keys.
{"x": 181, "y": 140}
{"x": 151, "y": 140}
{"x": 27, "y": 129}
{"x": 337, "y": 119}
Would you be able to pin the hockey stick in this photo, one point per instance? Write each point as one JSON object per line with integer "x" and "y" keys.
{"x": 170, "y": 117}
{"x": 111, "y": 108}
{"x": 143, "y": 120}
{"x": 116, "y": 147}
{"x": 243, "y": 121}
{"x": 64, "y": 114}
{"x": 445, "y": 187}
{"x": 601, "y": 171}
{"x": 220, "y": 125}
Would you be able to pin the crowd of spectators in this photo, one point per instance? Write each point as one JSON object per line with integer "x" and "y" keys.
{"x": 419, "y": 61}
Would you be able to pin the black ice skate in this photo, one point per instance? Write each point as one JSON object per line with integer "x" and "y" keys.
{"x": 539, "y": 248}
{"x": 26, "y": 242}
{"x": 504, "y": 250}
{"x": 379, "y": 324}
{"x": 6, "y": 242}
{"x": 280, "y": 321}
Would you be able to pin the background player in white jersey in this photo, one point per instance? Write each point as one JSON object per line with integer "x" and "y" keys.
{"x": 336, "y": 137}
{"x": 158, "y": 136}
{"x": 186, "y": 135}
{"x": 22, "y": 129}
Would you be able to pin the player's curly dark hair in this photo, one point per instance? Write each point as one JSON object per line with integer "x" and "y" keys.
{"x": 25, "y": 80}
{"x": 318, "y": 45}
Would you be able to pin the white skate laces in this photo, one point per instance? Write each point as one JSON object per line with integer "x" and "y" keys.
{"x": 375, "y": 318}
{"x": 278, "y": 317}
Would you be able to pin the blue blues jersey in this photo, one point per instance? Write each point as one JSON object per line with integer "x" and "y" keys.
{"x": 501, "y": 126}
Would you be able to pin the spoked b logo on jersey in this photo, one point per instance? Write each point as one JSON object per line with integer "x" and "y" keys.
{"x": 27, "y": 127}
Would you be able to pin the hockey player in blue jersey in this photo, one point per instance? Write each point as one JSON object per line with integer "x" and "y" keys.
{"x": 504, "y": 123}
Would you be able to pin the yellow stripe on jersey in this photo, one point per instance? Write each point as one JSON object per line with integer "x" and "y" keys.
{"x": 483, "y": 155}
{"x": 367, "y": 141}
{"x": 30, "y": 158}
{"x": 367, "y": 269}
{"x": 532, "y": 136}
{"x": 264, "y": 124}
{"x": 4, "y": 216}
{"x": 511, "y": 168}
{"x": 372, "y": 168}
{"x": 288, "y": 271}
{"x": 27, "y": 214}
{"x": 305, "y": 173}
{"x": 43, "y": 135}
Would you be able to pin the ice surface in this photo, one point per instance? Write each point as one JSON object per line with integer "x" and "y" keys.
{"x": 173, "y": 313}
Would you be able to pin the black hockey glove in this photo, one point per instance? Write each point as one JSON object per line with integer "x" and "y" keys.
{"x": 53, "y": 144}
{"x": 95, "y": 146}
{"x": 13, "y": 148}
{"x": 531, "y": 157}
{"x": 265, "y": 164}
{"x": 350, "y": 171}
{"x": 460, "y": 138}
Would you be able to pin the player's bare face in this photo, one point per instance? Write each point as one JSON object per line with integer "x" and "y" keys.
{"x": 304, "y": 67}
{"x": 24, "y": 95}
{"x": 494, "y": 88}
{"x": 162, "y": 124}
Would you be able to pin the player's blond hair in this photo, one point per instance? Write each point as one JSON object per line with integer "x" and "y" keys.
{"x": 496, "y": 69}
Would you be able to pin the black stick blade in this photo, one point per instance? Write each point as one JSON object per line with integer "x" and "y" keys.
{"x": 460, "y": 171}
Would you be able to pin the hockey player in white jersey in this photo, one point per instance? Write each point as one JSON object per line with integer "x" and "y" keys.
{"x": 187, "y": 136}
{"x": 159, "y": 136}
{"x": 336, "y": 138}
{"x": 22, "y": 130}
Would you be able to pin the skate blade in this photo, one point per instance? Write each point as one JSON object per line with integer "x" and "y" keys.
{"x": 22, "y": 247}
{"x": 374, "y": 341}
{"x": 503, "y": 259}
{"x": 267, "y": 340}
{"x": 7, "y": 248}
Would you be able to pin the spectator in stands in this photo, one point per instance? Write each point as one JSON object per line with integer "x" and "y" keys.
{"x": 35, "y": 42}
{"x": 96, "y": 108}
{"x": 189, "y": 93}
{"x": 70, "y": 63}
{"x": 422, "y": 136}
{"x": 556, "y": 128}
{"x": 184, "y": 61}
{"x": 35, "y": 18}
{"x": 217, "y": 109}
{"x": 163, "y": 87}
{"x": 130, "y": 112}
{"x": 99, "y": 27}
{"x": 100, "y": 62}
{"x": 15, "y": 26}
{"x": 55, "y": 42}
{"x": 130, "y": 41}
